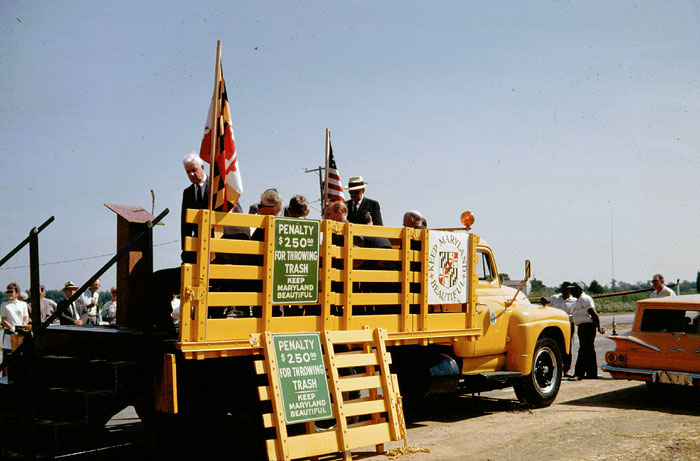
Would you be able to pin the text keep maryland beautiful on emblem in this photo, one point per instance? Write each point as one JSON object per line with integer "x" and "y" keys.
{"x": 447, "y": 267}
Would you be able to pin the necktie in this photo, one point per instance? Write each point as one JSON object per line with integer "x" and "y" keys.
{"x": 198, "y": 193}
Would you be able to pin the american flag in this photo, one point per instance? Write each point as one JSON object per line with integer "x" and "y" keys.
{"x": 226, "y": 183}
{"x": 334, "y": 187}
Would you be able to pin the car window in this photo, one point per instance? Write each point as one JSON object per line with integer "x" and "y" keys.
{"x": 484, "y": 266}
{"x": 665, "y": 320}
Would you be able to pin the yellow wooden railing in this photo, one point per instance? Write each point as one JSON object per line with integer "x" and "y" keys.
{"x": 244, "y": 268}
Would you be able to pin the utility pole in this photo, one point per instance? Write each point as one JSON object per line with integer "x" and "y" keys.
{"x": 612, "y": 246}
{"x": 320, "y": 171}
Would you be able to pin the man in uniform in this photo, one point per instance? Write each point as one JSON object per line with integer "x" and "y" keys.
{"x": 358, "y": 202}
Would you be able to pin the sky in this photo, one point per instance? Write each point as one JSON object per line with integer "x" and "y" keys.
{"x": 568, "y": 128}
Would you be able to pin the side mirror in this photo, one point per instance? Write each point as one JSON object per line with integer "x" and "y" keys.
{"x": 527, "y": 276}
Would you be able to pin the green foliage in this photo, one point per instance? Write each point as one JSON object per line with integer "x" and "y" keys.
{"x": 56, "y": 295}
{"x": 538, "y": 289}
{"x": 104, "y": 297}
{"x": 625, "y": 303}
{"x": 505, "y": 277}
{"x": 595, "y": 288}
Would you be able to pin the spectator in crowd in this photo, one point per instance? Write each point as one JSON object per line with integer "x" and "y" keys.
{"x": 254, "y": 208}
{"x": 175, "y": 304}
{"x": 12, "y": 313}
{"x": 587, "y": 321}
{"x": 298, "y": 207}
{"x": 72, "y": 315}
{"x": 88, "y": 303}
{"x": 565, "y": 302}
{"x": 336, "y": 211}
{"x": 270, "y": 204}
{"x": 47, "y": 306}
{"x": 358, "y": 201}
{"x": 195, "y": 196}
{"x": 414, "y": 219}
{"x": 660, "y": 289}
{"x": 109, "y": 310}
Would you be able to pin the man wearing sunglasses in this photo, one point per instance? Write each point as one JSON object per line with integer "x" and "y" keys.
{"x": 660, "y": 289}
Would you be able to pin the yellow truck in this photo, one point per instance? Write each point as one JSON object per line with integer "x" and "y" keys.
{"x": 439, "y": 317}
{"x": 452, "y": 326}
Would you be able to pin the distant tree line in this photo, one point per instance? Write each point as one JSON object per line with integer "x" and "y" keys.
{"x": 537, "y": 288}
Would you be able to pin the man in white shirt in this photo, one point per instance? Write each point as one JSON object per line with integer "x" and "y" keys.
{"x": 587, "y": 321}
{"x": 109, "y": 310}
{"x": 87, "y": 303}
{"x": 565, "y": 302}
{"x": 660, "y": 289}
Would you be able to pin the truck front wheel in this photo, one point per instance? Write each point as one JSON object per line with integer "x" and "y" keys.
{"x": 540, "y": 388}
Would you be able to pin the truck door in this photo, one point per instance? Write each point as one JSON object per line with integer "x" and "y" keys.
{"x": 490, "y": 313}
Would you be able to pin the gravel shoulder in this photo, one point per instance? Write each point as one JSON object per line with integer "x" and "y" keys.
{"x": 602, "y": 419}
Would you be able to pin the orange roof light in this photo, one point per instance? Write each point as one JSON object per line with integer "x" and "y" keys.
{"x": 467, "y": 219}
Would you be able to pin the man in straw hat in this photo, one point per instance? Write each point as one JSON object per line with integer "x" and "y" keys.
{"x": 72, "y": 315}
{"x": 358, "y": 202}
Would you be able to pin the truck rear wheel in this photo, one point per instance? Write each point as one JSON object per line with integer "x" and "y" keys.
{"x": 540, "y": 388}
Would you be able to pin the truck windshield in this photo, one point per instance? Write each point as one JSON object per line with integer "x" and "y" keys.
{"x": 484, "y": 266}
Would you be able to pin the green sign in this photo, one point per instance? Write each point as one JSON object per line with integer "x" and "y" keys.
{"x": 295, "y": 261}
{"x": 302, "y": 376}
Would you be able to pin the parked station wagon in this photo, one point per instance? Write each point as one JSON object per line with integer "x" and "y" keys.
{"x": 663, "y": 346}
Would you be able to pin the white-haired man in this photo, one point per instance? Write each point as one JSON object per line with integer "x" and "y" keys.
{"x": 195, "y": 196}
{"x": 414, "y": 219}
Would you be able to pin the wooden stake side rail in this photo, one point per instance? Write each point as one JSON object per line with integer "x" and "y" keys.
{"x": 373, "y": 287}
{"x": 359, "y": 421}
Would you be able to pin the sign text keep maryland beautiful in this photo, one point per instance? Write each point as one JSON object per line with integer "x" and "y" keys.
{"x": 302, "y": 377}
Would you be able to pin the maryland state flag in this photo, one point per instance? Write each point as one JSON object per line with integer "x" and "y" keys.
{"x": 226, "y": 182}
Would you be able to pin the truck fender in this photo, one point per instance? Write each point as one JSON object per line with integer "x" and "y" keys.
{"x": 526, "y": 326}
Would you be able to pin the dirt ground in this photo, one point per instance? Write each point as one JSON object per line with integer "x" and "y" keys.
{"x": 602, "y": 419}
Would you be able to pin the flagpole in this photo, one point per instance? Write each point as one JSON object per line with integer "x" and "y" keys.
{"x": 324, "y": 196}
{"x": 214, "y": 122}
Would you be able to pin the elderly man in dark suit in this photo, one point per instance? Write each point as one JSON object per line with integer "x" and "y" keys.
{"x": 358, "y": 202}
{"x": 195, "y": 196}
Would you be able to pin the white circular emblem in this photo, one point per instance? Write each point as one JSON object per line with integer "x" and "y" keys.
{"x": 492, "y": 317}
